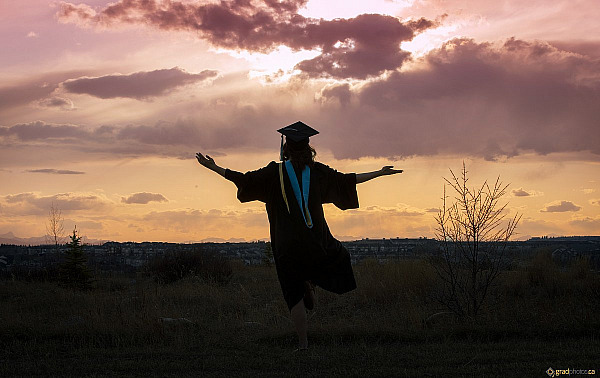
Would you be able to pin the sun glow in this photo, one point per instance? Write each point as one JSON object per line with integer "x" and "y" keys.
{"x": 276, "y": 66}
{"x": 430, "y": 39}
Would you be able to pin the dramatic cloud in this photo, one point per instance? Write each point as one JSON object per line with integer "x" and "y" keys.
{"x": 476, "y": 99}
{"x": 144, "y": 198}
{"x": 56, "y": 171}
{"x": 520, "y": 192}
{"x": 359, "y": 47}
{"x": 138, "y": 85}
{"x": 560, "y": 207}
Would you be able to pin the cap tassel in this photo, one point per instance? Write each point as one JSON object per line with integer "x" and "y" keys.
{"x": 281, "y": 149}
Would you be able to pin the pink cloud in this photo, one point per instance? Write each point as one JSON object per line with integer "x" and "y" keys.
{"x": 55, "y": 171}
{"x": 160, "y": 139}
{"x": 23, "y": 94}
{"x": 40, "y": 130}
{"x": 520, "y": 192}
{"x": 589, "y": 224}
{"x": 34, "y": 89}
{"x": 144, "y": 198}
{"x": 137, "y": 85}
{"x": 359, "y": 47}
{"x": 465, "y": 98}
{"x": 212, "y": 221}
{"x": 35, "y": 204}
{"x": 341, "y": 93}
{"x": 57, "y": 102}
{"x": 560, "y": 207}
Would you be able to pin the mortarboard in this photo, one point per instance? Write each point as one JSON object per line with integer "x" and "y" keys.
{"x": 296, "y": 135}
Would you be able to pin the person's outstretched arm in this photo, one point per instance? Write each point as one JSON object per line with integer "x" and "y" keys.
{"x": 209, "y": 163}
{"x": 387, "y": 170}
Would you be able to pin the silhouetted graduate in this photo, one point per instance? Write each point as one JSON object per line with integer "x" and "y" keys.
{"x": 294, "y": 190}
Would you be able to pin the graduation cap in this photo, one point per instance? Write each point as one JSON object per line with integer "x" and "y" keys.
{"x": 296, "y": 135}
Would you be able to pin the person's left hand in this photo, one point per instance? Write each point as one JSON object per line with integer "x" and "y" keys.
{"x": 389, "y": 170}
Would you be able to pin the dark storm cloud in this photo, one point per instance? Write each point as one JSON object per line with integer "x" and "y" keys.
{"x": 359, "y": 47}
{"x": 144, "y": 198}
{"x": 137, "y": 85}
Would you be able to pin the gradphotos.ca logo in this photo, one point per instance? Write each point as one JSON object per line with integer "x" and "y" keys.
{"x": 550, "y": 372}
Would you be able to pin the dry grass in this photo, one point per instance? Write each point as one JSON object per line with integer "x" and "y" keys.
{"x": 539, "y": 316}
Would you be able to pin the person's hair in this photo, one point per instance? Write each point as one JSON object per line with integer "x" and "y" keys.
{"x": 300, "y": 157}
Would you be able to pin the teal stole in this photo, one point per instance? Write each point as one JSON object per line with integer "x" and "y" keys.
{"x": 301, "y": 198}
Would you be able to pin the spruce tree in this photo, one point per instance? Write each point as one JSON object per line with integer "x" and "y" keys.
{"x": 268, "y": 255}
{"x": 74, "y": 272}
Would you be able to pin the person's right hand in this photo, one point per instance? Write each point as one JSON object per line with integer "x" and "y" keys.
{"x": 206, "y": 161}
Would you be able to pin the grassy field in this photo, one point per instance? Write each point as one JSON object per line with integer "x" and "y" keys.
{"x": 536, "y": 318}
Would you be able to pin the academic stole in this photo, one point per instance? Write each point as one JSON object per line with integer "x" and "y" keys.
{"x": 301, "y": 198}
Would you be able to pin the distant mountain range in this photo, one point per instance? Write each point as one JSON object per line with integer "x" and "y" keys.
{"x": 10, "y": 238}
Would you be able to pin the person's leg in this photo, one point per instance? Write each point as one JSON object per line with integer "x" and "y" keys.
{"x": 309, "y": 295}
{"x": 298, "y": 314}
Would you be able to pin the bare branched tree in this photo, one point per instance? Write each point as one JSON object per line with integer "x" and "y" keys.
{"x": 473, "y": 231}
{"x": 55, "y": 226}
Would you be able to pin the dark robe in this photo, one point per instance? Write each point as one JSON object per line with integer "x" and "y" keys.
{"x": 303, "y": 253}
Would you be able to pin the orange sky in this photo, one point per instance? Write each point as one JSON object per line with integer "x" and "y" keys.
{"x": 102, "y": 108}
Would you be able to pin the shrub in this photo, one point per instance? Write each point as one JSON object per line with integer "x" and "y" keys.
{"x": 473, "y": 234}
{"x": 545, "y": 274}
{"x": 23, "y": 273}
{"x": 177, "y": 263}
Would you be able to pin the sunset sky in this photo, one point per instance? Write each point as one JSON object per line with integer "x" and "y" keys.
{"x": 103, "y": 106}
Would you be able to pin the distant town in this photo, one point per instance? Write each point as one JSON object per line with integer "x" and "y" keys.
{"x": 129, "y": 256}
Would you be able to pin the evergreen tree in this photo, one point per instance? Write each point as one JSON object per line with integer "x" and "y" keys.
{"x": 268, "y": 256}
{"x": 74, "y": 272}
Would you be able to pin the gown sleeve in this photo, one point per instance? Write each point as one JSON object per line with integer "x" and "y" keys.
{"x": 252, "y": 185}
{"x": 340, "y": 189}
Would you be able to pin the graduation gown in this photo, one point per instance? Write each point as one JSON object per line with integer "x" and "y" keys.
{"x": 303, "y": 253}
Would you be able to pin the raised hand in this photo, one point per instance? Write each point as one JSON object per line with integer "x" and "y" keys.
{"x": 388, "y": 170}
{"x": 209, "y": 163}
{"x": 206, "y": 161}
